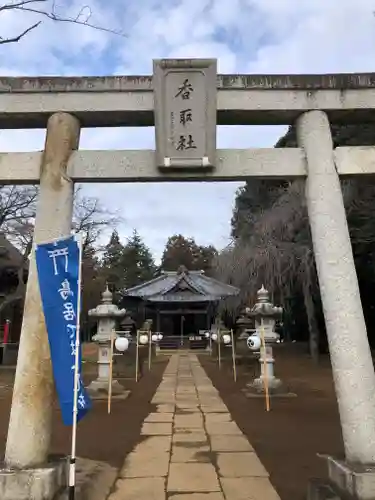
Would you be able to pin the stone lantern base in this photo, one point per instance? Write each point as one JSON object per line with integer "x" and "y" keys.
{"x": 276, "y": 388}
{"x": 45, "y": 482}
{"x": 98, "y": 389}
{"x": 345, "y": 482}
{"x": 274, "y": 385}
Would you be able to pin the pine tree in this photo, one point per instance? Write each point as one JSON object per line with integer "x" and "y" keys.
{"x": 112, "y": 263}
{"x": 181, "y": 251}
{"x": 93, "y": 285}
{"x": 137, "y": 261}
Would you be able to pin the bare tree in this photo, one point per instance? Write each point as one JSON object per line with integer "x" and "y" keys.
{"x": 91, "y": 218}
{"x": 278, "y": 254}
{"x": 17, "y": 216}
{"x": 17, "y": 213}
{"x": 48, "y": 9}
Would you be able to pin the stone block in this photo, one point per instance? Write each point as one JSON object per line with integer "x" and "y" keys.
{"x": 160, "y": 417}
{"x": 217, "y": 417}
{"x": 149, "y": 463}
{"x": 352, "y": 480}
{"x": 156, "y": 429}
{"x": 193, "y": 407}
{"x": 244, "y": 464}
{"x": 195, "y": 478}
{"x": 192, "y": 421}
{"x": 188, "y": 411}
{"x": 223, "y": 428}
{"x": 186, "y": 403}
{"x": 248, "y": 488}
{"x": 162, "y": 399}
{"x": 135, "y": 489}
{"x": 230, "y": 443}
{"x": 196, "y": 496}
{"x": 190, "y": 437}
{"x": 184, "y": 453}
{"x": 39, "y": 483}
{"x": 165, "y": 408}
{"x": 217, "y": 408}
{"x": 155, "y": 444}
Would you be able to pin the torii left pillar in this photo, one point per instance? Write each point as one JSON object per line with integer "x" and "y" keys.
{"x": 30, "y": 425}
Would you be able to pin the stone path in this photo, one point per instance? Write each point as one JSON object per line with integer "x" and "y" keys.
{"x": 192, "y": 450}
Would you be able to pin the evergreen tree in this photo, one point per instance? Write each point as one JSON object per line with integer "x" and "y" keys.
{"x": 178, "y": 251}
{"x": 93, "y": 285}
{"x": 137, "y": 262}
{"x": 112, "y": 263}
{"x": 181, "y": 251}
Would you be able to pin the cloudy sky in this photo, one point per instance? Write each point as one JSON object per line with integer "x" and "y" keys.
{"x": 246, "y": 36}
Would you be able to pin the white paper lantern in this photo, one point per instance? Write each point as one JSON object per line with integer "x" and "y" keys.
{"x": 226, "y": 339}
{"x": 154, "y": 337}
{"x": 143, "y": 339}
{"x": 122, "y": 344}
{"x": 253, "y": 343}
{"x": 160, "y": 336}
{"x": 214, "y": 337}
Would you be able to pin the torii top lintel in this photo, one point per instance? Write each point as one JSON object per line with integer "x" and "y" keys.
{"x": 128, "y": 100}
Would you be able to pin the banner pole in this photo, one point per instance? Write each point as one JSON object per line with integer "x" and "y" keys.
{"x": 233, "y": 356}
{"x": 72, "y": 461}
{"x": 219, "y": 347}
{"x": 110, "y": 371}
{"x": 265, "y": 374}
{"x": 137, "y": 357}
{"x": 149, "y": 349}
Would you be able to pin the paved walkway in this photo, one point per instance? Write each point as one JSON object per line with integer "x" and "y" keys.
{"x": 192, "y": 450}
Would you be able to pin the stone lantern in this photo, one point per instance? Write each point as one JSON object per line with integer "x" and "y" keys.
{"x": 245, "y": 328}
{"x": 106, "y": 315}
{"x": 147, "y": 325}
{"x": 265, "y": 315}
{"x": 127, "y": 326}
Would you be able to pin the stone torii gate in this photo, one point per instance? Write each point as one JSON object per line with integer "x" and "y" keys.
{"x": 185, "y": 100}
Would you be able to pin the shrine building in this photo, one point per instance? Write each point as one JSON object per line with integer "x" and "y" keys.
{"x": 182, "y": 304}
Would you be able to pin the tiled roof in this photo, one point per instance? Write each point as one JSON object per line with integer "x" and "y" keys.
{"x": 182, "y": 286}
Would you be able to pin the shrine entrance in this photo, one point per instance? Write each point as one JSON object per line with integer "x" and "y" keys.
{"x": 185, "y": 100}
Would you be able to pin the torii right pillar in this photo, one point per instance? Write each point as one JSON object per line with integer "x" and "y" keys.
{"x": 351, "y": 360}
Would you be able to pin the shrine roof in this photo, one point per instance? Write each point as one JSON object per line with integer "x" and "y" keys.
{"x": 182, "y": 286}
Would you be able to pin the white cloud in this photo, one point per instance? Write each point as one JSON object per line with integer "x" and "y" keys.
{"x": 257, "y": 36}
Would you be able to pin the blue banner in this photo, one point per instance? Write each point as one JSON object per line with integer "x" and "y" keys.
{"x": 58, "y": 273}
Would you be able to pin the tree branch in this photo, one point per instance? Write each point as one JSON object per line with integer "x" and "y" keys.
{"x": 18, "y": 5}
{"x": 82, "y": 18}
{"x": 21, "y": 35}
